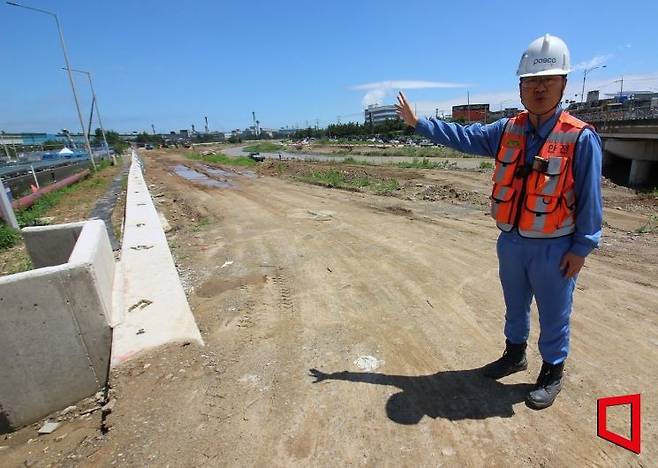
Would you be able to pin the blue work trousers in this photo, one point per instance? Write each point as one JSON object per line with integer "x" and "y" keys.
{"x": 531, "y": 267}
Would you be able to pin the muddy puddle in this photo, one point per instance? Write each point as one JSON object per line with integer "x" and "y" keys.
{"x": 216, "y": 171}
{"x": 200, "y": 178}
{"x": 250, "y": 174}
{"x": 222, "y": 173}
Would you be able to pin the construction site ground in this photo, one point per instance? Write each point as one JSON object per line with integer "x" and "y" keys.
{"x": 347, "y": 328}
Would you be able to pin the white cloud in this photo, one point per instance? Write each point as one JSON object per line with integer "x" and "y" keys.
{"x": 593, "y": 62}
{"x": 374, "y": 96}
{"x": 378, "y": 91}
{"x": 407, "y": 84}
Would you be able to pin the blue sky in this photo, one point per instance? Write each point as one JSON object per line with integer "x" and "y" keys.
{"x": 169, "y": 63}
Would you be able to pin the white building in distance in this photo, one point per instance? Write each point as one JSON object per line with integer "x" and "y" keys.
{"x": 375, "y": 114}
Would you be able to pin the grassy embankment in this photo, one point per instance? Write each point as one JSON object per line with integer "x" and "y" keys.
{"x": 74, "y": 201}
{"x": 362, "y": 149}
{"x": 337, "y": 179}
{"x": 416, "y": 163}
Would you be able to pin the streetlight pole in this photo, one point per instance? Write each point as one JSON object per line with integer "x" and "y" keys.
{"x": 621, "y": 87}
{"x": 98, "y": 111}
{"x": 585, "y": 72}
{"x": 68, "y": 69}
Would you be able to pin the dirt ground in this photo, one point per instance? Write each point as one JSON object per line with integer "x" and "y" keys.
{"x": 375, "y": 150}
{"x": 344, "y": 328}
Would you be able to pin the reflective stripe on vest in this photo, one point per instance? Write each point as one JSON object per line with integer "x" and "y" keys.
{"x": 547, "y": 208}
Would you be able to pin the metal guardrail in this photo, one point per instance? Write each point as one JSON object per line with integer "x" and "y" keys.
{"x": 617, "y": 116}
{"x": 19, "y": 178}
{"x": 22, "y": 184}
{"x": 17, "y": 169}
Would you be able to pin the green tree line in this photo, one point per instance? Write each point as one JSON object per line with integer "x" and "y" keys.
{"x": 388, "y": 128}
{"x": 114, "y": 140}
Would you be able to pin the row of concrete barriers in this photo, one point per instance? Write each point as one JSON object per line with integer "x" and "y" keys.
{"x": 78, "y": 310}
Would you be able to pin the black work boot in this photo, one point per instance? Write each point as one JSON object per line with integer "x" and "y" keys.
{"x": 549, "y": 384}
{"x": 513, "y": 360}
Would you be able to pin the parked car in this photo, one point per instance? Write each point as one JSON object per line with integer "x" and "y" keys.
{"x": 256, "y": 156}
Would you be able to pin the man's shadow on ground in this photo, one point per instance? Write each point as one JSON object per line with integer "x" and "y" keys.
{"x": 453, "y": 395}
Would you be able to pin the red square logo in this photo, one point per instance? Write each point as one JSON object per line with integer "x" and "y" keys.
{"x": 602, "y": 404}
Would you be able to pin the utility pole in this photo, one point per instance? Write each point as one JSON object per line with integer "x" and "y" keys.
{"x": 153, "y": 128}
{"x": 98, "y": 112}
{"x": 206, "y": 118}
{"x": 68, "y": 69}
{"x": 91, "y": 116}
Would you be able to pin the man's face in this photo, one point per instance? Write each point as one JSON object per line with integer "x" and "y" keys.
{"x": 540, "y": 94}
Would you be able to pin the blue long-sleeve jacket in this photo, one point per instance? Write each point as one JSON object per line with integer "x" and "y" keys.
{"x": 484, "y": 140}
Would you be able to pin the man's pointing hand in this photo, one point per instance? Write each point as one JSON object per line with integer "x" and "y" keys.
{"x": 404, "y": 111}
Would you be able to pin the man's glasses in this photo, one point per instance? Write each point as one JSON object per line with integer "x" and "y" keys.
{"x": 534, "y": 81}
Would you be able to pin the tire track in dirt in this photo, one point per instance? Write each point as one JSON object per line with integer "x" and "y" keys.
{"x": 347, "y": 251}
{"x": 351, "y": 255}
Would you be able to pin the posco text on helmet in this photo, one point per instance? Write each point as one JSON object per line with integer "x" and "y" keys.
{"x": 546, "y": 55}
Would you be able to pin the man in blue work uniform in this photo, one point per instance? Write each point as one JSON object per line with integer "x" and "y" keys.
{"x": 546, "y": 201}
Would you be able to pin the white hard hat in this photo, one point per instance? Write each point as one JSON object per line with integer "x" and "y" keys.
{"x": 546, "y": 55}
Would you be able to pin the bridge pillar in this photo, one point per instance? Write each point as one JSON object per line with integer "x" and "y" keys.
{"x": 640, "y": 175}
{"x": 608, "y": 159}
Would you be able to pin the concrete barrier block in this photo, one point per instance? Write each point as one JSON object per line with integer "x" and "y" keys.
{"x": 51, "y": 245}
{"x": 45, "y": 348}
{"x": 91, "y": 318}
{"x": 93, "y": 248}
{"x": 155, "y": 310}
{"x": 118, "y": 296}
{"x": 55, "y": 338}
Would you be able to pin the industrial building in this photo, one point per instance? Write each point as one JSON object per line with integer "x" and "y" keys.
{"x": 471, "y": 112}
{"x": 375, "y": 114}
{"x": 285, "y": 132}
{"x": 626, "y": 105}
{"x": 507, "y": 112}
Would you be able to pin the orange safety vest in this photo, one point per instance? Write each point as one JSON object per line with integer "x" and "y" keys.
{"x": 540, "y": 203}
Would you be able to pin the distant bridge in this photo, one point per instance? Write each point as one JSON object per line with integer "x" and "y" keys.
{"x": 630, "y": 146}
